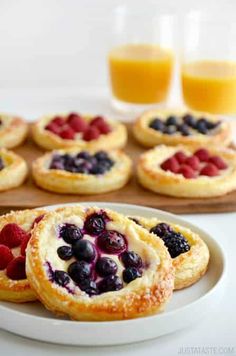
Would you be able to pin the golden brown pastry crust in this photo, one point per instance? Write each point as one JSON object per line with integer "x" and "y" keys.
{"x": 148, "y": 137}
{"x": 191, "y": 265}
{"x": 13, "y": 131}
{"x": 14, "y": 172}
{"x": 152, "y": 177}
{"x": 115, "y": 139}
{"x": 61, "y": 181}
{"x": 143, "y": 296}
{"x": 13, "y": 290}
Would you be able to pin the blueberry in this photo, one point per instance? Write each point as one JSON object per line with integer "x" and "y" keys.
{"x": 131, "y": 259}
{"x": 105, "y": 266}
{"x": 189, "y": 120}
{"x": 157, "y": 125}
{"x": 109, "y": 284}
{"x": 171, "y": 120}
{"x": 65, "y": 252}
{"x": 161, "y": 229}
{"x": 61, "y": 278}
{"x": 170, "y": 130}
{"x": 84, "y": 155}
{"x": 184, "y": 130}
{"x": 201, "y": 126}
{"x": 101, "y": 155}
{"x": 95, "y": 224}
{"x": 89, "y": 287}
{"x": 79, "y": 271}
{"x": 1, "y": 164}
{"x": 111, "y": 242}
{"x": 99, "y": 168}
{"x": 176, "y": 243}
{"x": 212, "y": 125}
{"x": 84, "y": 250}
{"x": 131, "y": 273}
{"x": 57, "y": 162}
{"x": 83, "y": 167}
{"x": 70, "y": 233}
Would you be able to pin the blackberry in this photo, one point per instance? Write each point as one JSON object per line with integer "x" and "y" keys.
{"x": 176, "y": 243}
{"x": 161, "y": 229}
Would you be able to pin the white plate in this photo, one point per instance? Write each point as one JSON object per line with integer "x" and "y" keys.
{"x": 187, "y": 306}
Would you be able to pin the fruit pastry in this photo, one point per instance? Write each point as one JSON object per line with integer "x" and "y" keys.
{"x": 13, "y": 170}
{"x": 94, "y": 264}
{"x": 15, "y": 232}
{"x": 178, "y": 127}
{"x": 82, "y": 172}
{"x": 189, "y": 253}
{"x": 74, "y": 130}
{"x": 182, "y": 171}
{"x": 13, "y": 131}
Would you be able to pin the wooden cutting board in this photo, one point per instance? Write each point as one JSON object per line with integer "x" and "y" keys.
{"x": 30, "y": 196}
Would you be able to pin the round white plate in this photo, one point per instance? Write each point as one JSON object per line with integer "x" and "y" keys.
{"x": 187, "y": 306}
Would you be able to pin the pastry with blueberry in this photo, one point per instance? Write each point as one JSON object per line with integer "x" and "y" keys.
{"x": 193, "y": 129}
{"x": 13, "y": 170}
{"x": 13, "y": 131}
{"x": 189, "y": 253}
{"x": 96, "y": 264}
{"x": 79, "y": 131}
{"x": 82, "y": 172}
{"x": 15, "y": 232}
{"x": 182, "y": 171}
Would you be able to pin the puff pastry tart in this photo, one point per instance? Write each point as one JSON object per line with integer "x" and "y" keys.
{"x": 94, "y": 264}
{"x": 13, "y": 131}
{"x": 13, "y": 170}
{"x": 82, "y": 172}
{"x": 193, "y": 129}
{"x": 15, "y": 232}
{"x": 74, "y": 130}
{"x": 184, "y": 172}
{"x": 189, "y": 253}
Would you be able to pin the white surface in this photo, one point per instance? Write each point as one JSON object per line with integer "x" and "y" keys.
{"x": 185, "y": 307}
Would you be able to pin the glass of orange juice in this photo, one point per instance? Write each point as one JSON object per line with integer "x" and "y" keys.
{"x": 208, "y": 70}
{"x": 141, "y": 58}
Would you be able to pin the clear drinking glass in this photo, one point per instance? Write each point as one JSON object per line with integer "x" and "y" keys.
{"x": 208, "y": 69}
{"x": 141, "y": 58}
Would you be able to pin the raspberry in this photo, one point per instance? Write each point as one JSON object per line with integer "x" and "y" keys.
{"x": 12, "y": 235}
{"x": 59, "y": 121}
{"x": 187, "y": 171}
{"x": 16, "y": 268}
{"x": 24, "y": 244}
{"x": 54, "y": 128}
{"x": 104, "y": 128}
{"x": 202, "y": 154}
{"x": 209, "y": 170}
{"x": 37, "y": 220}
{"x": 77, "y": 123}
{"x": 91, "y": 134}
{"x": 193, "y": 162}
{"x": 97, "y": 121}
{"x": 67, "y": 133}
{"x": 5, "y": 256}
{"x": 218, "y": 162}
{"x": 180, "y": 156}
{"x": 171, "y": 164}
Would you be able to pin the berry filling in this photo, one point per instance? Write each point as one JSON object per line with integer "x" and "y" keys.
{"x": 90, "y": 268}
{"x": 185, "y": 125}
{"x": 83, "y": 163}
{"x": 175, "y": 242}
{"x": 12, "y": 236}
{"x": 201, "y": 163}
{"x": 1, "y": 164}
{"x": 67, "y": 128}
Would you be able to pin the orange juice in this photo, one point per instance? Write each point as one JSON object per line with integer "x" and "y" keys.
{"x": 140, "y": 73}
{"x": 210, "y": 86}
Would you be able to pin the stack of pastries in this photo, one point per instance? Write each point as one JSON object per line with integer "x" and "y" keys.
{"x": 96, "y": 264}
